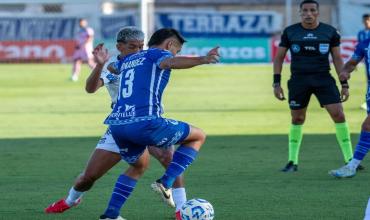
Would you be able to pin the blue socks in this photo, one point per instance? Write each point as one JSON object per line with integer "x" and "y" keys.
{"x": 122, "y": 190}
{"x": 182, "y": 158}
{"x": 363, "y": 146}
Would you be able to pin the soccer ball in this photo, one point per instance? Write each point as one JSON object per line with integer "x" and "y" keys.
{"x": 197, "y": 209}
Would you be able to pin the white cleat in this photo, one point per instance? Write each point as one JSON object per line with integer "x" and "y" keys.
{"x": 364, "y": 106}
{"x": 166, "y": 194}
{"x": 74, "y": 78}
{"x": 103, "y": 217}
{"x": 343, "y": 172}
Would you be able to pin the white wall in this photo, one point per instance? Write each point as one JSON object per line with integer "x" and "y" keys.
{"x": 350, "y": 16}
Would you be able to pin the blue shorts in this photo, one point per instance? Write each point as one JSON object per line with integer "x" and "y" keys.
{"x": 132, "y": 139}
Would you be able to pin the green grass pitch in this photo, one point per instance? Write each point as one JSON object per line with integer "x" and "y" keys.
{"x": 49, "y": 126}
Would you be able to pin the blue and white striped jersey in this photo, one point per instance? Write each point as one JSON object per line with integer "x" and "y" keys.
{"x": 362, "y": 51}
{"x": 141, "y": 87}
{"x": 110, "y": 80}
{"x": 363, "y": 35}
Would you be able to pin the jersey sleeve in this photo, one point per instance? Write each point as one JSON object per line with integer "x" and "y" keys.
{"x": 335, "y": 40}
{"x": 107, "y": 76}
{"x": 359, "y": 52}
{"x": 284, "y": 42}
{"x": 157, "y": 55}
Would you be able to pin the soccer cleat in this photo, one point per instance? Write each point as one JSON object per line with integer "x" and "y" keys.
{"x": 60, "y": 206}
{"x": 364, "y": 106}
{"x": 290, "y": 167}
{"x": 166, "y": 194}
{"x": 178, "y": 215}
{"x": 74, "y": 78}
{"x": 343, "y": 172}
{"x": 103, "y": 217}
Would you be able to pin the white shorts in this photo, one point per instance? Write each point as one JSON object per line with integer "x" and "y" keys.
{"x": 107, "y": 143}
{"x": 82, "y": 54}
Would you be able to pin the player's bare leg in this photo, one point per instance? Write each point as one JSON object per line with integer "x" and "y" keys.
{"x": 76, "y": 69}
{"x": 99, "y": 163}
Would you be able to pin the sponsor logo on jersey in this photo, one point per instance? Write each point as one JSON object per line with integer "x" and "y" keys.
{"x": 310, "y": 36}
{"x": 324, "y": 48}
{"x": 129, "y": 112}
{"x": 310, "y": 48}
{"x": 295, "y": 48}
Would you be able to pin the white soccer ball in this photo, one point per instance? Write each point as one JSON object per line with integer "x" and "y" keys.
{"x": 197, "y": 209}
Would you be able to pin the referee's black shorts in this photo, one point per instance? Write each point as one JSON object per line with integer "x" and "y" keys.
{"x": 301, "y": 87}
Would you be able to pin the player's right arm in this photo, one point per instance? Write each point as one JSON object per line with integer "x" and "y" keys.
{"x": 277, "y": 68}
{"x": 94, "y": 82}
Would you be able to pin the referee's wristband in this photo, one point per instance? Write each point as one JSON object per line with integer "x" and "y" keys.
{"x": 344, "y": 84}
{"x": 277, "y": 80}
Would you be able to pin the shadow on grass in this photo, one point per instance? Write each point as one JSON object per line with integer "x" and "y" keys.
{"x": 238, "y": 174}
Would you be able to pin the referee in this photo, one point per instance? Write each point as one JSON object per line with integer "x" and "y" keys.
{"x": 310, "y": 42}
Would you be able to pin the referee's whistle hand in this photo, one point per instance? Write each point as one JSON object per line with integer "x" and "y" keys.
{"x": 279, "y": 93}
{"x": 344, "y": 95}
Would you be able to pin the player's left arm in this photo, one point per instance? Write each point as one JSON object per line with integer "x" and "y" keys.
{"x": 181, "y": 62}
{"x": 93, "y": 81}
{"x": 337, "y": 59}
{"x": 338, "y": 64}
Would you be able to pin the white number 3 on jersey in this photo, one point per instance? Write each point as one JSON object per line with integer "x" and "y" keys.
{"x": 129, "y": 77}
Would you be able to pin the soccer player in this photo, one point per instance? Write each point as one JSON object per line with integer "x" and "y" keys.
{"x": 310, "y": 43}
{"x": 363, "y": 35}
{"x": 106, "y": 155}
{"x": 83, "y": 49}
{"x": 363, "y": 145}
{"x": 136, "y": 120}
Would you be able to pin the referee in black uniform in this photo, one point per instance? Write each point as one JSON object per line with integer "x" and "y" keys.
{"x": 310, "y": 42}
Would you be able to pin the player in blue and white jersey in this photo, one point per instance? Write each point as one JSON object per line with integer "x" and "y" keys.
{"x": 364, "y": 34}
{"x": 136, "y": 120}
{"x": 362, "y": 51}
{"x": 106, "y": 155}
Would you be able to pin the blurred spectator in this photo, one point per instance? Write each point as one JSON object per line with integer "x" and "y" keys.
{"x": 83, "y": 49}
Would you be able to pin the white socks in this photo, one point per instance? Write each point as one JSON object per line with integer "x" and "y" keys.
{"x": 354, "y": 163}
{"x": 73, "y": 196}
{"x": 179, "y": 197}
